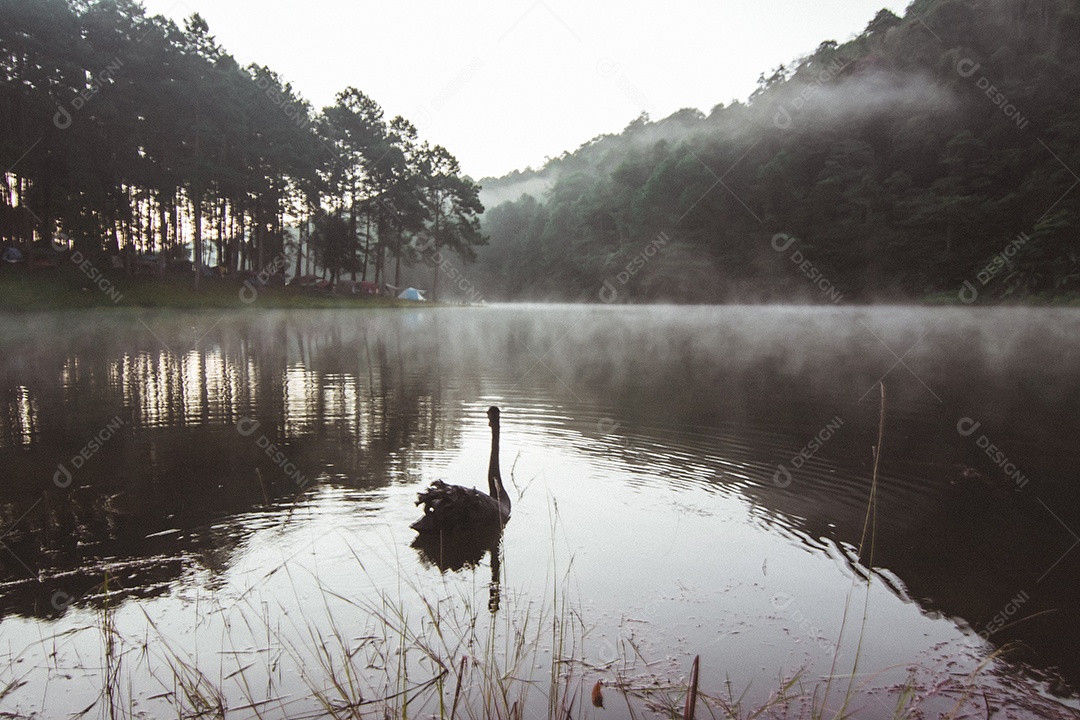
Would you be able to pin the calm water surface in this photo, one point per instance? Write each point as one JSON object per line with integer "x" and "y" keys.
{"x": 228, "y": 497}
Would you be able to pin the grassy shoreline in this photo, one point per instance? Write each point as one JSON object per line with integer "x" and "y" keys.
{"x": 66, "y": 288}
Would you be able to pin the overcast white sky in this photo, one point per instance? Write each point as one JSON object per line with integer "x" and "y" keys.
{"x": 504, "y": 84}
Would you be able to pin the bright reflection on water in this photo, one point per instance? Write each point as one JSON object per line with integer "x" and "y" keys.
{"x": 689, "y": 480}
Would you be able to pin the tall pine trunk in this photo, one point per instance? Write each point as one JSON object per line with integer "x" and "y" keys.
{"x": 367, "y": 245}
{"x": 436, "y": 227}
{"x": 435, "y": 277}
{"x": 197, "y": 229}
{"x": 397, "y": 260}
{"x": 197, "y": 200}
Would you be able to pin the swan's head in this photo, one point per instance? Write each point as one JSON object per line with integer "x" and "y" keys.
{"x": 493, "y": 416}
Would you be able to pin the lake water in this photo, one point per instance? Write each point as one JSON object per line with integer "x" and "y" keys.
{"x": 203, "y": 511}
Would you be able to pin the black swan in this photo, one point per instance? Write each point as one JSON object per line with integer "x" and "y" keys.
{"x": 456, "y": 509}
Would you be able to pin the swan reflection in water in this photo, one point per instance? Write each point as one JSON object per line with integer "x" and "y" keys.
{"x": 458, "y": 551}
{"x": 460, "y": 523}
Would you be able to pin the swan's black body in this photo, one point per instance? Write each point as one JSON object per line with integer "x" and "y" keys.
{"x": 457, "y": 509}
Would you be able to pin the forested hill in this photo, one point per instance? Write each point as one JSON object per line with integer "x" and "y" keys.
{"x": 938, "y": 153}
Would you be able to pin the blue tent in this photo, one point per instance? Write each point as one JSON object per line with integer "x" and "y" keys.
{"x": 411, "y": 294}
{"x": 11, "y": 255}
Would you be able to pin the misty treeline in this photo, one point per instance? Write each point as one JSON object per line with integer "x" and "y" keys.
{"x": 928, "y": 152}
{"x": 128, "y": 134}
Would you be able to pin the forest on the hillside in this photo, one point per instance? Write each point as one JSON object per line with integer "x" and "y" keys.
{"x": 932, "y": 154}
{"x": 127, "y": 135}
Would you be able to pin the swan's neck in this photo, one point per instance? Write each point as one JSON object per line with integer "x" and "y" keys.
{"x": 495, "y": 486}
